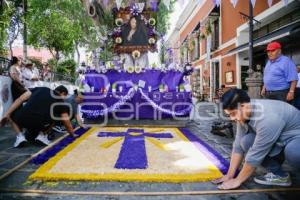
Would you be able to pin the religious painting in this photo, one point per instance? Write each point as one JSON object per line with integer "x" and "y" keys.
{"x": 135, "y": 30}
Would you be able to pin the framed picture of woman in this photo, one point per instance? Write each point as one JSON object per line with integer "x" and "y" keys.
{"x": 134, "y": 33}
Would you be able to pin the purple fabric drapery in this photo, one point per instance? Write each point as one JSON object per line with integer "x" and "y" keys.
{"x": 152, "y": 78}
{"x": 140, "y": 108}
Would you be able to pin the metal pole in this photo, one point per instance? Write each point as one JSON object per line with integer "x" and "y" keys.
{"x": 250, "y": 36}
{"x": 254, "y": 80}
{"x": 25, "y": 30}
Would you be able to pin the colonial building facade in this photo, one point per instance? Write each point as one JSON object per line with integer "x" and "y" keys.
{"x": 215, "y": 40}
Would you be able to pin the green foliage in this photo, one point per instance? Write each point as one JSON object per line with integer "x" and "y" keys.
{"x": 6, "y": 12}
{"x": 163, "y": 17}
{"x": 66, "y": 67}
{"x": 36, "y": 63}
{"x": 52, "y": 63}
{"x": 59, "y": 25}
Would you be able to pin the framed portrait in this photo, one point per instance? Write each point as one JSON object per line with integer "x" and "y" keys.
{"x": 229, "y": 77}
{"x": 134, "y": 32}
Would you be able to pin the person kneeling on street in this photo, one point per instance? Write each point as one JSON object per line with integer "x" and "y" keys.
{"x": 37, "y": 116}
{"x": 268, "y": 133}
{"x": 73, "y": 102}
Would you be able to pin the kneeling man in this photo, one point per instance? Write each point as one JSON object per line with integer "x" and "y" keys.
{"x": 268, "y": 133}
{"x": 42, "y": 108}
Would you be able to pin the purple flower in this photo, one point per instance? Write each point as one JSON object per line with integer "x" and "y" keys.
{"x": 154, "y": 6}
{"x": 134, "y": 10}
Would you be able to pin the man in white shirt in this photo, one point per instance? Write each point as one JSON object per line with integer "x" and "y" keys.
{"x": 31, "y": 75}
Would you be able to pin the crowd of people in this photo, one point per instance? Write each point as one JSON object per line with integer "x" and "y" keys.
{"x": 25, "y": 75}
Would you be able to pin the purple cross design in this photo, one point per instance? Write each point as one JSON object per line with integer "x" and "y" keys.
{"x": 133, "y": 152}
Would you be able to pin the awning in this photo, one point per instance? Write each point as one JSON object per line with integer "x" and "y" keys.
{"x": 284, "y": 31}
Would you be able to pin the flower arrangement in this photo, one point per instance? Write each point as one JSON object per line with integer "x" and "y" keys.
{"x": 152, "y": 21}
{"x": 114, "y": 87}
{"x": 138, "y": 69}
{"x": 161, "y": 88}
{"x": 134, "y": 10}
{"x": 118, "y": 40}
{"x": 136, "y": 54}
{"x": 181, "y": 88}
{"x": 151, "y": 40}
{"x": 130, "y": 69}
{"x": 119, "y": 22}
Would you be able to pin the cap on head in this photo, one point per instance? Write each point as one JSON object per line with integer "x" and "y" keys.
{"x": 273, "y": 46}
{"x": 28, "y": 63}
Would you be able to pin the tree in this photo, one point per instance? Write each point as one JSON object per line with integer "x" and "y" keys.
{"x": 6, "y": 11}
{"x": 49, "y": 25}
{"x": 10, "y": 23}
{"x": 14, "y": 27}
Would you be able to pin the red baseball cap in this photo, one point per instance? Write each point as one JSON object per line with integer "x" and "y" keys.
{"x": 273, "y": 45}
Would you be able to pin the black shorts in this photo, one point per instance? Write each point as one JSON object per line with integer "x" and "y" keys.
{"x": 33, "y": 123}
{"x": 17, "y": 89}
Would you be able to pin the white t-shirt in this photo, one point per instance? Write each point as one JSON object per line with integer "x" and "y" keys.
{"x": 29, "y": 74}
{"x": 15, "y": 71}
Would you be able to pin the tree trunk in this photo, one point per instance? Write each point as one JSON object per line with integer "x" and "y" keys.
{"x": 78, "y": 53}
{"x": 11, "y": 51}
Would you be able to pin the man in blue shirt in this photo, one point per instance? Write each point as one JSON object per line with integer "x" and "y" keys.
{"x": 280, "y": 75}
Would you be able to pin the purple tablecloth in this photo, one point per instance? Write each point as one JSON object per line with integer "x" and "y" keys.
{"x": 152, "y": 78}
{"x": 138, "y": 106}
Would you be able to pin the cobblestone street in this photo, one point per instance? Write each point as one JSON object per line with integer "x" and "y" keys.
{"x": 10, "y": 157}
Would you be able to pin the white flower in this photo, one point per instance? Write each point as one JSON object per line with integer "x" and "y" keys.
{"x": 130, "y": 69}
{"x": 151, "y": 40}
{"x": 119, "y": 21}
{"x": 136, "y": 54}
{"x": 152, "y": 21}
{"x": 138, "y": 69}
{"x": 118, "y": 40}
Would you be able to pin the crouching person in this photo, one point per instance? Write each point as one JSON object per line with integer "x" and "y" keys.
{"x": 268, "y": 132}
{"x": 37, "y": 116}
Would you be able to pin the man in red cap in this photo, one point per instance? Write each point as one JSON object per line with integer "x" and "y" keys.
{"x": 280, "y": 75}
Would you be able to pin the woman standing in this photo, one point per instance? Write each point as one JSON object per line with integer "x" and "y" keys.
{"x": 17, "y": 87}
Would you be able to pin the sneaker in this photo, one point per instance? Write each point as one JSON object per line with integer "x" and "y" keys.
{"x": 59, "y": 129}
{"x": 20, "y": 140}
{"x": 43, "y": 139}
{"x": 273, "y": 179}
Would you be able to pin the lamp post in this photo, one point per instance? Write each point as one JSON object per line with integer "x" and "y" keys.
{"x": 254, "y": 80}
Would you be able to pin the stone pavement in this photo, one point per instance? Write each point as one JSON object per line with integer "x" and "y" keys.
{"x": 10, "y": 157}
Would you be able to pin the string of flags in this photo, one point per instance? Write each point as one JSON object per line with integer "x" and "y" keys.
{"x": 182, "y": 2}
{"x": 234, "y": 2}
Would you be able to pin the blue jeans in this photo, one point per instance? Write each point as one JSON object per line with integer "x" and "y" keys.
{"x": 273, "y": 164}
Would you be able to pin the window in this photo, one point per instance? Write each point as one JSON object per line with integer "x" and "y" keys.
{"x": 215, "y": 34}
